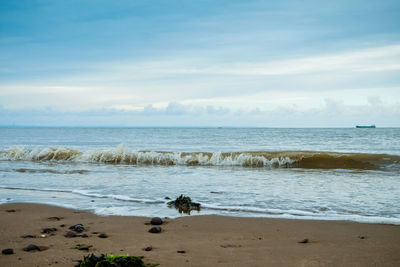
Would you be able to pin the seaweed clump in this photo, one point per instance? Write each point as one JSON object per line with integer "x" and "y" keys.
{"x": 184, "y": 204}
{"x": 113, "y": 261}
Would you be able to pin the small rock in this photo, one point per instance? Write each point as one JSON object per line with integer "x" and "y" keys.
{"x": 91, "y": 200}
{"x": 7, "y": 251}
{"x": 102, "y": 235}
{"x": 156, "y": 221}
{"x": 304, "y": 241}
{"x": 83, "y": 235}
{"x": 11, "y": 211}
{"x": 149, "y": 248}
{"x": 167, "y": 198}
{"x": 62, "y": 225}
{"x": 155, "y": 229}
{"x": 54, "y": 218}
{"x": 31, "y": 247}
{"x": 361, "y": 237}
{"x": 28, "y": 236}
{"x": 95, "y": 233}
{"x": 48, "y": 230}
{"x": 77, "y": 228}
{"x": 230, "y": 246}
{"x": 70, "y": 234}
{"x": 181, "y": 251}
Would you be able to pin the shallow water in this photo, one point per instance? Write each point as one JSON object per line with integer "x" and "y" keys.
{"x": 344, "y": 174}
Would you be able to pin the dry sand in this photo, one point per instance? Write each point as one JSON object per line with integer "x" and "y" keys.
{"x": 206, "y": 240}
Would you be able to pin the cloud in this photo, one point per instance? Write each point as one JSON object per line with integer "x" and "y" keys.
{"x": 134, "y": 85}
{"x": 384, "y": 58}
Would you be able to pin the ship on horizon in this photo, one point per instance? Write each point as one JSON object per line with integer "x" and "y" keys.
{"x": 366, "y": 126}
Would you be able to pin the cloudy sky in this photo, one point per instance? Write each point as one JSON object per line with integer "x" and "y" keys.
{"x": 200, "y": 63}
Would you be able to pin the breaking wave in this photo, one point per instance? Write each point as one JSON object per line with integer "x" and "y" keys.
{"x": 278, "y": 159}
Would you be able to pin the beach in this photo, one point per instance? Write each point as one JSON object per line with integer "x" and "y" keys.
{"x": 207, "y": 240}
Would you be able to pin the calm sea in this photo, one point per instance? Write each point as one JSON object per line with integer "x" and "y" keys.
{"x": 332, "y": 174}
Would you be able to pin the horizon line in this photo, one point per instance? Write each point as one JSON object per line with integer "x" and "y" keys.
{"x": 188, "y": 127}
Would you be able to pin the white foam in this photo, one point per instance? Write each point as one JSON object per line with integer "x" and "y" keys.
{"x": 124, "y": 155}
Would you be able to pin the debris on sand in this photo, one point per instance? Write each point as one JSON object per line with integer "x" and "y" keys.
{"x": 111, "y": 260}
{"x": 184, "y": 204}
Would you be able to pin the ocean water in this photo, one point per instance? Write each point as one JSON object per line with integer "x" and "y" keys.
{"x": 328, "y": 174}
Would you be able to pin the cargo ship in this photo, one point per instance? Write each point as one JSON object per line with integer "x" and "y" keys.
{"x": 366, "y": 126}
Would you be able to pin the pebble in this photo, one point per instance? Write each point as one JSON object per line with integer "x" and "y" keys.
{"x": 103, "y": 235}
{"x": 155, "y": 229}
{"x": 54, "y": 218}
{"x": 7, "y": 251}
{"x": 31, "y": 247}
{"x": 181, "y": 251}
{"x": 48, "y": 230}
{"x": 149, "y": 248}
{"x": 28, "y": 236}
{"x": 304, "y": 241}
{"x": 77, "y": 228}
{"x": 156, "y": 221}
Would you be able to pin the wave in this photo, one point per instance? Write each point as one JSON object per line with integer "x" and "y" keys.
{"x": 86, "y": 193}
{"x": 271, "y": 159}
{"x": 207, "y": 208}
{"x": 23, "y": 170}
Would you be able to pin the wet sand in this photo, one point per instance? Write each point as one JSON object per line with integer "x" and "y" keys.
{"x": 205, "y": 240}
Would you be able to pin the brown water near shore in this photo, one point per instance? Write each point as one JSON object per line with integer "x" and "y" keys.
{"x": 206, "y": 240}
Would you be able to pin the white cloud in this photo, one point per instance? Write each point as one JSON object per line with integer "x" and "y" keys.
{"x": 207, "y": 85}
{"x": 385, "y": 58}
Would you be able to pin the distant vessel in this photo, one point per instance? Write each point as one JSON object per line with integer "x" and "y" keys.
{"x": 366, "y": 126}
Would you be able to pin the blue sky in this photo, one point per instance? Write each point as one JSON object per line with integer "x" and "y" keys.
{"x": 200, "y": 63}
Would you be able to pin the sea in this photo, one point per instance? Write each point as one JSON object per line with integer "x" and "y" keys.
{"x": 343, "y": 174}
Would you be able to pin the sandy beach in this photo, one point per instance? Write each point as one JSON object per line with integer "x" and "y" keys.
{"x": 200, "y": 240}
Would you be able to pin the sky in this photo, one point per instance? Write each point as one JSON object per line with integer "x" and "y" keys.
{"x": 199, "y": 63}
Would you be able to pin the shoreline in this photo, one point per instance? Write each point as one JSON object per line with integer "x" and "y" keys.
{"x": 206, "y": 240}
{"x": 343, "y": 218}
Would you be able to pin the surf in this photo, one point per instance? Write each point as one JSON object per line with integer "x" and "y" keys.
{"x": 254, "y": 159}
